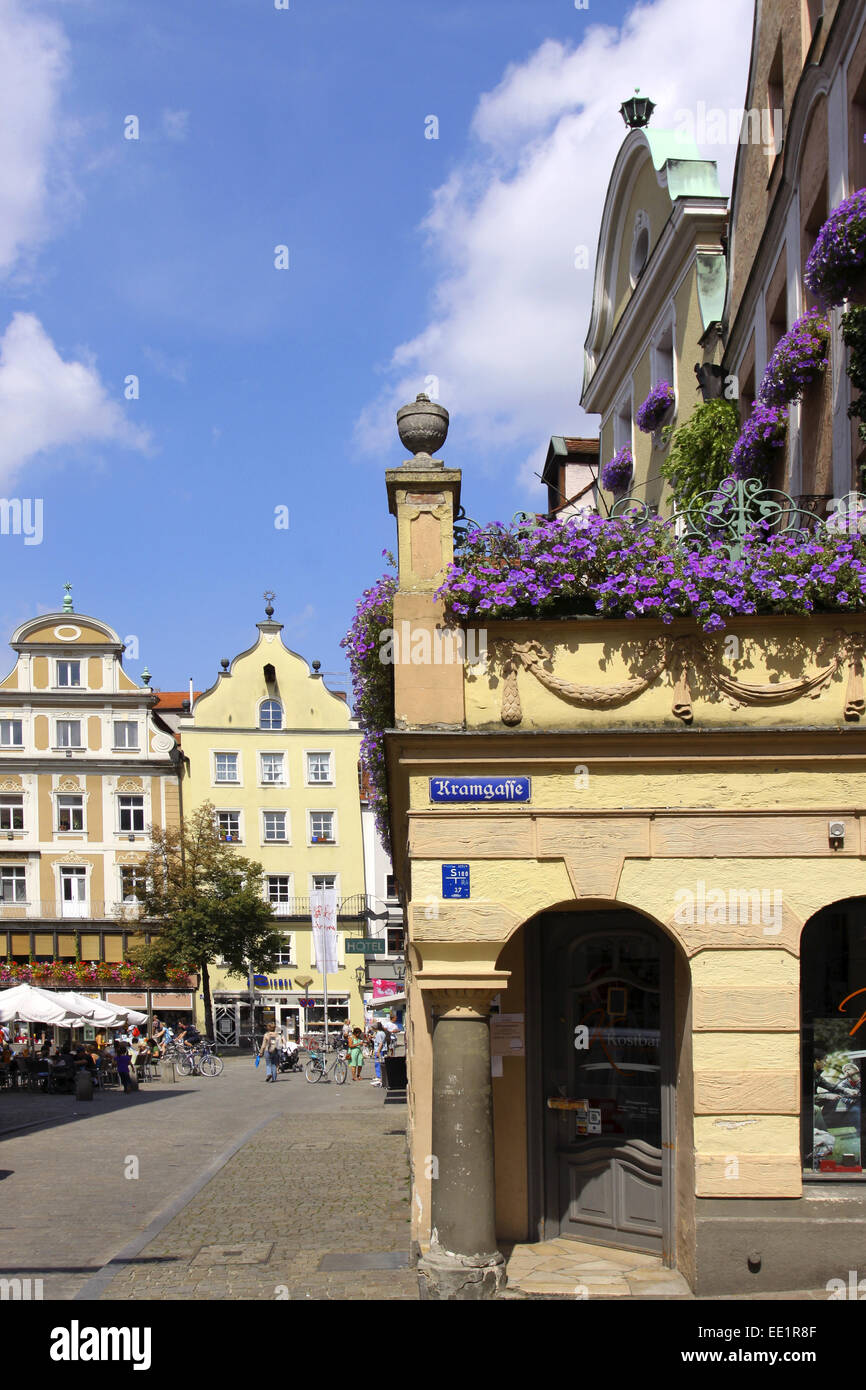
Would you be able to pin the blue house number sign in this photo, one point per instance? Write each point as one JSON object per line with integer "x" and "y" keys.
{"x": 455, "y": 880}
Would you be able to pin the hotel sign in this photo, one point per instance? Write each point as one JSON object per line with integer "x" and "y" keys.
{"x": 460, "y": 790}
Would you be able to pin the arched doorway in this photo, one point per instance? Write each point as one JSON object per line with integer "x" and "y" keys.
{"x": 600, "y": 1010}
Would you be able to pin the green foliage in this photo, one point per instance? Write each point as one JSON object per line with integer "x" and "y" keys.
{"x": 202, "y": 902}
{"x": 700, "y": 451}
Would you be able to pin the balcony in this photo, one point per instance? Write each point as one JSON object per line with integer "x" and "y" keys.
{"x": 49, "y": 910}
{"x": 358, "y": 905}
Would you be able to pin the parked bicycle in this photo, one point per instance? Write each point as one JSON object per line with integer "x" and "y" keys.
{"x": 317, "y": 1067}
{"x": 201, "y": 1060}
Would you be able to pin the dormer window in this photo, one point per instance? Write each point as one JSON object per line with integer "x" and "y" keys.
{"x": 68, "y": 673}
{"x": 271, "y": 715}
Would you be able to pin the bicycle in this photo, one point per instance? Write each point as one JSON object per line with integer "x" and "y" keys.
{"x": 204, "y": 1061}
{"x": 317, "y": 1067}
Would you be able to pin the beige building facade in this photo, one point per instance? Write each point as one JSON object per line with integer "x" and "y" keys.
{"x": 87, "y": 770}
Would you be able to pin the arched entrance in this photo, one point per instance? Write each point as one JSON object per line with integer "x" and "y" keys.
{"x": 600, "y": 1007}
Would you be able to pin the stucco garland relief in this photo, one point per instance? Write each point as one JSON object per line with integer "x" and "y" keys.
{"x": 683, "y": 658}
{"x": 11, "y": 784}
{"x": 130, "y": 784}
{"x": 68, "y": 784}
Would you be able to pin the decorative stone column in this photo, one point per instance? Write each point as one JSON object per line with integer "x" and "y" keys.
{"x": 424, "y": 496}
{"x": 463, "y": 1261}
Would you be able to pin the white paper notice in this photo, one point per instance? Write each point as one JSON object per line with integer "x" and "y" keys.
{"x": 496, "y": 1065}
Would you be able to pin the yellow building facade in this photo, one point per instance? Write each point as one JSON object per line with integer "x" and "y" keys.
{"x": 276, "y": 753}
{"x": 87, "y": 769}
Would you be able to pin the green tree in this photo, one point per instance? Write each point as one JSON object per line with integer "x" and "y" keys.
{"x": 699, "y": 456}
{"x": 204, "y": 902}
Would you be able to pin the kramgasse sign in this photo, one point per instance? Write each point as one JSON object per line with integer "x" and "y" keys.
{"x": 463, "y": 789}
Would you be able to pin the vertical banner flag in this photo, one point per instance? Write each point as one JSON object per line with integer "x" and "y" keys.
{"x": 323, "y": 906}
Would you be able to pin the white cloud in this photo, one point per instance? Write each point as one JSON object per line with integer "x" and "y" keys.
{"x": 175, "y": 368}
{"x": 509, "y": 310}
{"x": 47, "y": 403}
{"x": 32, "y": 67}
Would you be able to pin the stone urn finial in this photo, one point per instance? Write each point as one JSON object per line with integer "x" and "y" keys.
{"x": 423, "y": 428}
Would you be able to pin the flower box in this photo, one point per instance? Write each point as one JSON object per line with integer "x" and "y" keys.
{"x": 656, "y": 408}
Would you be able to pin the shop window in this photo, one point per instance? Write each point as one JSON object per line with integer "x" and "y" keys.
{"x": 833, "y": 1003}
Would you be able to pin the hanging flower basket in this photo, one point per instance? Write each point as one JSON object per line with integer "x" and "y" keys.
{"x": 655, "y": 408}
{"x": 836, "y": 268}
{"x": 799, "y": 356}
{"x": 762, "y": 435}
{"x": 617, "y": 472}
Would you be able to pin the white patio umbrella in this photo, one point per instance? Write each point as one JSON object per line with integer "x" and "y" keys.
{"x": 90, "y": 1010}
{"x": 34, "y": 1005}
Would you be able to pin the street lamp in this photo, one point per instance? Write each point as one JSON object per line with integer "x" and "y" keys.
{"x": 400, "y": 969}
{"x": 360, "y": 976}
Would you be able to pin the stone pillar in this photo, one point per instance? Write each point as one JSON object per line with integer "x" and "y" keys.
{"x": 424, "y": 496}
{"x": 463, "y": 1261}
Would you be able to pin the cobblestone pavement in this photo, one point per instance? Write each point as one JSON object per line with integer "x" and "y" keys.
{"x": 71, "y": 1203}
{"x": 306, "y": 1195}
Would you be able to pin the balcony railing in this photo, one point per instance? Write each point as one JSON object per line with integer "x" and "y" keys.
{"x": 49, "y": 910}
{"x": 356, "y": 905}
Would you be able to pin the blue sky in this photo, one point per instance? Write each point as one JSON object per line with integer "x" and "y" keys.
{"x": 412, "y": 261}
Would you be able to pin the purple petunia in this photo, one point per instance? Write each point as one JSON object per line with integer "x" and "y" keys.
{"x": 836, "y": 262}
{"x": 799, "y": 356}
{"x": 616, "y": 474}
{"x": 654, "y": 409}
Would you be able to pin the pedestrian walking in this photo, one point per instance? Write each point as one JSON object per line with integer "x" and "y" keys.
{"x": 270, "y": 1050}
{"x": 379, "y": 1046}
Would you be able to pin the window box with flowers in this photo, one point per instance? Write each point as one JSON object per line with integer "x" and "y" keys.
{"x": 617, "y": 472}
{"x": 836, "y": 268}
{"x": 656, "y": 409}
{"x": 800, "y": 355}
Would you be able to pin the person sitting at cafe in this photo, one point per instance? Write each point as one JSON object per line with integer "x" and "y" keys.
{"x": 142, "y": 1057}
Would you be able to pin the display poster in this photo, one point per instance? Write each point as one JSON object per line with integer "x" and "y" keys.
{"x": 507, "y": 1035}
{"x": 837, "y": 1065}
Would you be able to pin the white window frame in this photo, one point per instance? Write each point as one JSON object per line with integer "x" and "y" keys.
{"x": 130, "y": 869}
{"x": 335, "y": 885}
{"x": 19, "y": 875}
{"x": 276, "y": 753}
{"x": 269, "y": 728}
{"x": 230, "y": 811}
{"x": 60, "y": 797}
{"x": 319, "y": 753}
{"x": 12, "y": 719}
{"x": 659, "y": 368}
{"x": 131, "y": 829}
{"x": 290, "y": 950}
{"x": 322, "y": 812}
{"x": 126, "y": 747}
{"x": 64, "y": 746}
{"x": 237, "y": 780}
{"x": 6, "y": 804}
{"x": 285, "y": 839}
{"x": 276, "y": 902}
{"x": 67, "y": 661}
{"x": 81, "y": 874}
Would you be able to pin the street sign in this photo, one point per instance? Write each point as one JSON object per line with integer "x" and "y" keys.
{"x": 365, "y": 945}
{"x": 463, "y": 789}
{"x": 455, "y": 881}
